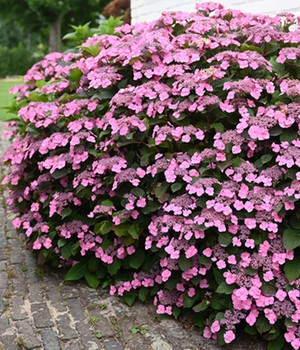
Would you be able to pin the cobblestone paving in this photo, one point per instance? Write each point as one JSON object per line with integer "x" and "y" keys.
{"x": 39, "y": 311}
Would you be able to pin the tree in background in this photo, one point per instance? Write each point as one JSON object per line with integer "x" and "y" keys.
{"x": 48, "y": 18}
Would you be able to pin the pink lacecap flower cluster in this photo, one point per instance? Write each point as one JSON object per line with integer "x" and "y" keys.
{"x": 172, "y": 157}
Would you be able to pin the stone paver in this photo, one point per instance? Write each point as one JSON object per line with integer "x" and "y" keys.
{"x": 39, "y": 311}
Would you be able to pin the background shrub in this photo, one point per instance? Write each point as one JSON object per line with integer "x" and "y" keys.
{"x": 164, "y": 162}
{"x": 15, "y": 61}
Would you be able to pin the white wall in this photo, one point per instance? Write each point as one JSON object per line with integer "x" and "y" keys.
{"x": 147, "y": 10}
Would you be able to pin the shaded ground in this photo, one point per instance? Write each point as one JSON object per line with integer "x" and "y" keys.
{"x": 39, "y": 311}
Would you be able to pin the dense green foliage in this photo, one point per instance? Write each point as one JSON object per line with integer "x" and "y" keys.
{"x": 38, "y": 26}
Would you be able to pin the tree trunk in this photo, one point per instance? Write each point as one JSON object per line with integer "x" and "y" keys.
{"x": 55, "y": 35}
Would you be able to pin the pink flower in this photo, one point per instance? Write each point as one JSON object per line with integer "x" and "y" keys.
{"x": 259, "y": 133}
{"x": 229, "y": 336}
{"x": 252, "y": 317}
{"x": 165, "y": 275}
{"x": 47, "y": 243}
{"x": 215, "y": 327}
{"x": 250, "y": 223}
{"x": 191, "y": 252}
{"x": 281, "y": 295}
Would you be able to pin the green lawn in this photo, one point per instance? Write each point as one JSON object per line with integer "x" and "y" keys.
{"x": 5, "y": 97}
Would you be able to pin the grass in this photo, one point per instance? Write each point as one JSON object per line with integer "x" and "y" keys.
{"x": 5, "y": 97}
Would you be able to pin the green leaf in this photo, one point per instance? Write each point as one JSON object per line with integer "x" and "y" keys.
{"x": 248, "y": 47}
{"x": 66, "y": 212}
{"x": 98, "y": 334}
{"x": 291, "y": 239}
{"x": 276, "y": 130}
{"x": 114, "y": 267}
{"x": 188, "y": 302}
{"x": 134, "y": 231}
{"x": 103, "y": 227}
{"x": 93, "y": 50}
{"x": 122, "y": 229}
{"x": 288, "y": 135}
{"x": 109, "y": 26}
{"x": 75, "y": 75}
{"x": 184, "y": 263}
{"x": 134, "y": 330}
{"x": 250, "y": 330}
{"x": 292, "y": 269}
{"x": 91, "y": 280}
{"x": 176, "y": 186}
{"x": 61, "y": 242}
{"x": 176, "y": 311}
{"x": 266, "y": 158}
{"x": 60, "y": 173}
{"x": 219, "y": 127}
{"x": 130, "y": 298}
{"x": 107, "y": 203}
{"x": 277, "y": 67}
{"x": 204, "y": 260}
{"x": 202, "y": 306}
{"x": 40, "y": 83}
{"x": 151, "y": 207}
{"x": 224, "y": 239}
{"x": 143, "y": 294}
{"x": 161, "y": 190}
{"x": 269, "y": 289}
{"x": 137, "y": 259}
{"x": 76, "y": 272}
{"x": 137, "y": 191}
{"x": 276, "y": 344}
{"x": 262, "y": 324}
{"x": 66, "y": 250}
{"x": 225, "y": 288}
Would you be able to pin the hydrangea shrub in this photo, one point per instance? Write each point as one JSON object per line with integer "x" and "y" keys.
{"x": 164, "y": 162}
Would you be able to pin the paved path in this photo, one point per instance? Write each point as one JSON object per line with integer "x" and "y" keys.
{"x": 39, "y": 311}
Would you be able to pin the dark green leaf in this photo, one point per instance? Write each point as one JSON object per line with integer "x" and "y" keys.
{"x": 269, "y": 289}
{"x": 61, "y": 242}
{"x": 202, "y": 306}
{"x": 188, "y": 302}
{"x": 276, "y": 344}
{"x": 60, "y": 173}
{"x": 66, "y": 212}
{"x": 66, "y": 250}
{"x": 76, "y": 272}
{"x": 184, "y": 263}
{"x": 266, "y": 158}
{"x": 176, "y": 186}
{"x": 134, "y": 231}
{"x": 292, "y": 269}
{"x": 103, "y": 227}
{"x": 91, "y": 280}
{"x": 122, "y": 229}
{"x": 143, "y": 294}
{"x": 291, "y": 238}
{"x": 262, "y": 324}
{"x": 114, "y": 267}
{"x": 225, "y": 288}
{"x": 136, "y": 260}
{"x": 130, "y": 298}
{"x": 224, "y": 239}
{"x": 250, "y": 330}
{"x": 204, "y": 260}
{"x": 277, "y": 67}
